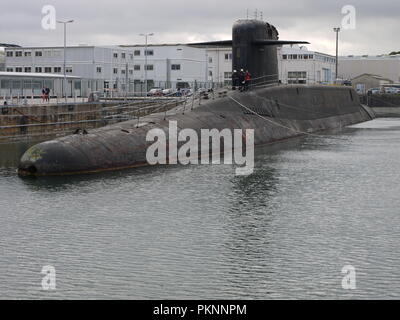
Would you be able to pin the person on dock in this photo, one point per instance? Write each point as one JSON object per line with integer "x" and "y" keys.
{"x": 47, "y": 94}
{"x": 43, "y": 95}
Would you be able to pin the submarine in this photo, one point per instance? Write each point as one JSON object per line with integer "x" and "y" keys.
{"x": 276, "y": 112}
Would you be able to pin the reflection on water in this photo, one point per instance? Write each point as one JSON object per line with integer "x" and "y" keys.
{"x": 313, "y": 205}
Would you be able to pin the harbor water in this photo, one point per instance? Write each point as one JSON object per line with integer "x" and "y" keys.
{"x": 312, "y": 206}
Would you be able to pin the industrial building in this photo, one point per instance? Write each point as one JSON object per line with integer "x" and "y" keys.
{"x": 121, "y": 69}
{"x": 298, "y": 65}
{"x": 386, "y": 66}
{"x": 111, "y": 68}
{"x": 2, "y": 61}
{"x": 366, "y": 81}
{"x": 219, "y": 65}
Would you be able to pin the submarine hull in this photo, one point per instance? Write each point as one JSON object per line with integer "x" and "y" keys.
{"x": 275, "y": 114}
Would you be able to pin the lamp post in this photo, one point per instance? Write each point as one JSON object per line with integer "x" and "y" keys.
{"x": 146, "y": 35}
{"x": 337, "y": 30}
{"x": 65, "y": 55}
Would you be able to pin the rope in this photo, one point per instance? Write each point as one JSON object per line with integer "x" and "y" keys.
{"x": 283, "y": 126}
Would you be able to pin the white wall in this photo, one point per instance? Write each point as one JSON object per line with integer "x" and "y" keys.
{"x": 85, "y": 60}
{"x": 385, "y": 66}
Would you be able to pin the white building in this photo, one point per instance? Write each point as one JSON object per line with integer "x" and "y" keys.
{"x": 122, "y": 68}
{"x": 296, "y": 65}
{"x": 169, "y": 65}
{"x": 2, "y": 61}
{"x": 111, "y": 68}
{"x": 383, "y": 65}
{"x": 220, "y": 65}
{"x": 299, "y": 65}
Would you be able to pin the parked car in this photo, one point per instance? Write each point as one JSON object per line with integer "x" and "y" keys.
{"x": 168, "y": 92}
{"x": 390, "y": 90}
{"x": 155, "y": 92}
{"x": 186, "y": 91}
{"x": 374, "y": 91}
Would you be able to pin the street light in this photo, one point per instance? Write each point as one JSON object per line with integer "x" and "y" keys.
{"x": 337, "y": 30}
{"x": 65, "y": 54}
{"x": 146, "y": 35}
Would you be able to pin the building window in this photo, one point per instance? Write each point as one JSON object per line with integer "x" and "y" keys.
{"x": 306, "y": 57}
{"x": 149, "y": 67}
{"x": 10, "y": 69}
{"x": 297, "y": 74}
{"x": 228, "y": 75}
{"x": 130, "y": 71}
{"x": 149, "y": 53}
{"x": 210, "y": 73}
{"x": 137, "y": 52}
{"x": 284, "y": 57}
{"x": 18, "y": 69}
{"x": 98, "y": 69}
{"x": 47, "y": 69}
{"x": 28, "y": 69}
{"x": 27, "y": 53}
{"x": 210, "y": 60}
{"x": 327, "y": 75}
{"x": 115, "y": 55}
{"x": 175, "y": 67}
{"x": 18, "y": 53}
{"x": 10, "y": 54}
{"x": 123, "y": 55}
{"x": 115, "y": 70}
{"x": 38, "y": 53}
{"x": 57, "y": 69}
{"x": 310, "y": 56}
{"x": 136, "y": 67}
{"x": 68, "y": 69}
{"x": 228, "y": 56}
{"x": 123, "y": 71}
{"x": 38, "y": 69}
{"x": 131, "y": 56}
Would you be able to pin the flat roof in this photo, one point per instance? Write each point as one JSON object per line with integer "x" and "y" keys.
{"x": 50, "y": 47}
{"x": 154, "y": 45}
{"x": 367, "y": 57}
{"x": 35, "y": 75}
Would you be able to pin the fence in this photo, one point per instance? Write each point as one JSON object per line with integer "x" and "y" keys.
{"x": 30, "y": 122}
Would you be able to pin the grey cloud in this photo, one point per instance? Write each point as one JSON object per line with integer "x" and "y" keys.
{"x": 120, "y": 21}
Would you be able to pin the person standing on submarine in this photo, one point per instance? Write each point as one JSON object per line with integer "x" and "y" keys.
{"x": 247, "y": 79}
{"x": 241, "y": 79}
{"x": 235, "y": 80}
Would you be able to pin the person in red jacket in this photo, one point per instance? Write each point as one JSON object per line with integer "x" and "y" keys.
{"x": 247, "y": 79}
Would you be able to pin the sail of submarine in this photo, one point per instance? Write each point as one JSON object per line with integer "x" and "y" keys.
{"x": 290, "y": 110}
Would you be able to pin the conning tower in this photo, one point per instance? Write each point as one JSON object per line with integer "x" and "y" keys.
{"x": 254, "y": 48}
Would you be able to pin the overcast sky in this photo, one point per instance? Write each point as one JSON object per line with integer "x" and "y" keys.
{"x": 106, "y": 22}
